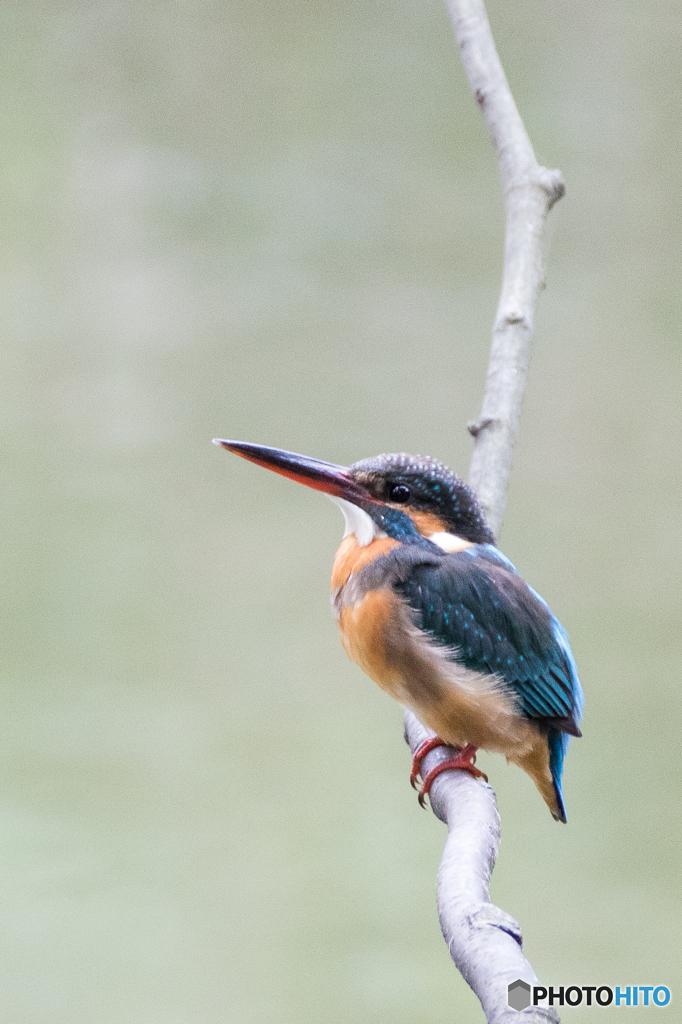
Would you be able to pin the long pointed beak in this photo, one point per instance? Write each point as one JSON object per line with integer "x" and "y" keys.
{"x": 321, "y": 476}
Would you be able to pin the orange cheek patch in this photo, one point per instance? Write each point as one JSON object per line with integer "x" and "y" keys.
{"x": 427, "y": 522}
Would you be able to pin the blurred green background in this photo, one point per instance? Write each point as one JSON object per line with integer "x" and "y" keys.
{"x": 283, "y": 223}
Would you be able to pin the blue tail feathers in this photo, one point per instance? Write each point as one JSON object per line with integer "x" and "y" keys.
{"x": 558, "y": 745}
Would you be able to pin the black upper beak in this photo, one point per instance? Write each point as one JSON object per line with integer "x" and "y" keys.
{"x": 321, "y": 476}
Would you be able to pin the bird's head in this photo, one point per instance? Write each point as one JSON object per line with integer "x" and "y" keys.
{"x": 406, "y": 497}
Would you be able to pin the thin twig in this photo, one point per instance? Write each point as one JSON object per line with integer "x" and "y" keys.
{"x": 530, "y": 192}
{"x": 483, "y": 941}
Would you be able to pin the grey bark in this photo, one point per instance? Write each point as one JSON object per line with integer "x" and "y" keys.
{"x": 530, "y": 192}
{"x": 484, "y": 942}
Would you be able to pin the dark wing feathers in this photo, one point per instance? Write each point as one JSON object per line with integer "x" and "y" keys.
{"x": 475, "y": 602}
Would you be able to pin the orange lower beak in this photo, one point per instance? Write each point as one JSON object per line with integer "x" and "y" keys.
{"x": 321, "y": 476}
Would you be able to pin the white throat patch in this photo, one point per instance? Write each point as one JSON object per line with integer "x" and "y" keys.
{"x": 450, "y": 542}
{"x": 358, "y": 522}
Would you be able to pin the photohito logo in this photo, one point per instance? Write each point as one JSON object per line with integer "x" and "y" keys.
{"x": 521, "y": 995}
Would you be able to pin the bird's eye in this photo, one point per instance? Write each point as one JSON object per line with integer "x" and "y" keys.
{"x": 399, "y": 493}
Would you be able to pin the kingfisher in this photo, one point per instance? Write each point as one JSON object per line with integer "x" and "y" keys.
{"x": 435, "y": 614}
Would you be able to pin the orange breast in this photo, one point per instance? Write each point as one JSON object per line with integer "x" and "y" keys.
{"x": 366, "y": 624}
{"x": 365, "y": 634}
{"x": 351, "y": 557}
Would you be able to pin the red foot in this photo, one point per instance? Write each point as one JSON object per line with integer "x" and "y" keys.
{"x": 464, "y": 759}
{"x": 420, "y": 753}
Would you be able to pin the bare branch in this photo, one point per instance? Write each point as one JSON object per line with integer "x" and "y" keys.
{"x": 483, "y": 941}
{"x": 530, "y": 192}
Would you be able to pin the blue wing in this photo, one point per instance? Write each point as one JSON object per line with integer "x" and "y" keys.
{"x": 475, "y": 602}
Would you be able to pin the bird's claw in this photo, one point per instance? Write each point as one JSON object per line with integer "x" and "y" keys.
{"x": 464, "y": 760}
{"x": 420, "y": 753}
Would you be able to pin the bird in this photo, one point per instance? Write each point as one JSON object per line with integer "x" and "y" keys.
{"x": 433, "y": 612}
